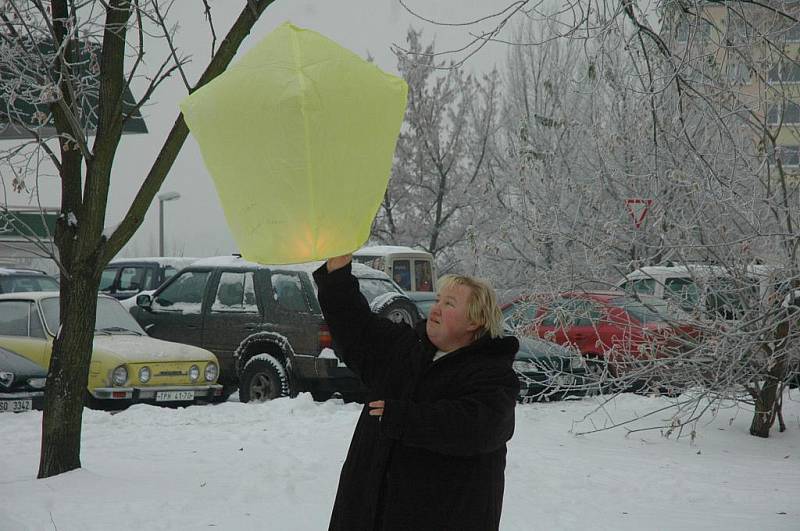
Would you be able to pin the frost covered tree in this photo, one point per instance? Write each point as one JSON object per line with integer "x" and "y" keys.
{"x": 690, "y": 105}
{"x": 73, "y": 61}
{"x": 442, "y": 156}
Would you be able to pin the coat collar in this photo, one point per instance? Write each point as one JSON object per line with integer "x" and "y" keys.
{"x": 505, "y": 347}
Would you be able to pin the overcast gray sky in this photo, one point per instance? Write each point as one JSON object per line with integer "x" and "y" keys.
{"x": 195, "y": 225}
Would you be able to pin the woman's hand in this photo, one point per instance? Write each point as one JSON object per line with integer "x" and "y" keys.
{"x": 339, "y": 262}
{"x": 376, "y": 408}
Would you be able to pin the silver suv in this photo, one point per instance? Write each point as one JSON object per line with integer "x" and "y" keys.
{"x": 24, "y": 280}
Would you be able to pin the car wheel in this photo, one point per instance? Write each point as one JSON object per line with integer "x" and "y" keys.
{"x": 400, "y": 311}
{"x": 264, "y": 378}
{"x": 321, "y": 396}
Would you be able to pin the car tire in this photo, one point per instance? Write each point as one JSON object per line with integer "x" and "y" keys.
{"x": 321, "y": 396}
{"x": 264, "y": 378}
{"x": 400, "y": 311}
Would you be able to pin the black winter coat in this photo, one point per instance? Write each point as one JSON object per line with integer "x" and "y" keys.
{"x": 436, "y": 459}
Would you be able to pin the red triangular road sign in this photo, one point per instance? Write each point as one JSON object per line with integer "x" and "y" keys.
{"x": 637, "y": 208}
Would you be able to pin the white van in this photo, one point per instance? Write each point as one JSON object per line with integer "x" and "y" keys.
{"x": 711, "y": 289}
{"x": 412, "y": 269}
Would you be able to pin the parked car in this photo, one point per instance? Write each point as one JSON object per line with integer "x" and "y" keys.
{"x": 520, "y": 311}
{"x": 614, "y": 332}
{"x": 708, "y": 291}
{"x": 264, "y": 323}
{"x": 21, "y": 383}
{"x": 23, "y": 280}
{"x": 412, "y": 269}
{"x": 548, "y": 371}
{"x": 126, "y": 367}
{"x": 125, "y": 278}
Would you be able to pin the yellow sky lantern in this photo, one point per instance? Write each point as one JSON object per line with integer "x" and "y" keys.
{"x": 298, "y": 136}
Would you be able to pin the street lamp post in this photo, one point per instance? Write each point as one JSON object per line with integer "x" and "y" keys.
{"x": 162, "y": 198}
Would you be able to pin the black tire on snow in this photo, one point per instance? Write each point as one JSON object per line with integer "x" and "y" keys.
{"x": 263, "y": 379}
{"x": 401, "y": 311}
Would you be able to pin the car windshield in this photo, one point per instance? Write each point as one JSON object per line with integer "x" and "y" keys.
{"x": 112, "y": 318}
{"x": 373, "y": 287}
{"x": 644, "y": 312}
{"x": 25, "y": 283}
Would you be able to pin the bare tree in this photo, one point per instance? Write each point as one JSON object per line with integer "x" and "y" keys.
{"x": 695, "y": 112}
{"x": 442, "y": 154}
{"x": 73, "y": 62}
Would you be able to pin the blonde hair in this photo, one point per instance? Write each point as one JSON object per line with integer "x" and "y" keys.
{"x": 482, "y": 308}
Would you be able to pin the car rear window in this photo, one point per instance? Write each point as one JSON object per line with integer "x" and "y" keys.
{"x": 641, "y": 285}
{"x": 638, "y": 310}
{"x": 26, "y": 283}
{"x": 373, "y": 287}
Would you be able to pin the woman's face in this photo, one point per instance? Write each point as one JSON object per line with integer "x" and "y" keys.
{"x": 448, "y": 326}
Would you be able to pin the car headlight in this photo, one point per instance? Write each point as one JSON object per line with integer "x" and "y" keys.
{"x": 211, "y": 372}
{"x": 37, "y": 383}
{"x": 144, "y": 374}
{"x": 6, "y": 378}
{"x": 120, "y": 375}
{"x": 194, "y": 373}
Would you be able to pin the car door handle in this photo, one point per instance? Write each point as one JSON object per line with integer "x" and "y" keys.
{"x": 580, "y": 336}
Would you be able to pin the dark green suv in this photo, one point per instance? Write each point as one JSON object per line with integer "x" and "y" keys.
{"x": 263, "y": 323}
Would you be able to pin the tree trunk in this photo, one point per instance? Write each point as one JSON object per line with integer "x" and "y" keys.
{"x": 767, "y": 405}
{"x": 768, "y": 401}
{"x": 68, "y": 377}
{"x": 83, "y": 251}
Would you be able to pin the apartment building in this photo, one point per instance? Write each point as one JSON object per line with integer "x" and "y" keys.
{"x": 746, "y": 57}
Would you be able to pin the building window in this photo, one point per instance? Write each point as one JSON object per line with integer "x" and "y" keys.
{"x": 737, "y": 73}
{"x": 786, "y": 114}
{"x": 692, "y": 29}
{"x": 739, "y": 32}
{"x": 789, "y": 155}
{"x": 784, "y": 73}
{"x": 792, "y": 34}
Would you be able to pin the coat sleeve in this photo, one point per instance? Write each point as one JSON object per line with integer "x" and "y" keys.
{"x": 481, "y": 420}
{"x": 366, "y": 342}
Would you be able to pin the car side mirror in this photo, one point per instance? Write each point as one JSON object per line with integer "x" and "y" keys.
{"x": 144, "y": 301}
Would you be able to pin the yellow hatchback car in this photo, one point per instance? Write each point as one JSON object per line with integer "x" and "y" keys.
{"x": 127, "y": 365}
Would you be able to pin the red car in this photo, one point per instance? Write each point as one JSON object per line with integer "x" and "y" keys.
{"x": 612, "y": 329}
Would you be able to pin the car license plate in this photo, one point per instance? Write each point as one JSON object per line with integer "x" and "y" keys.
{"x": 14, "y": 406}
{"x": 173, "y": 396}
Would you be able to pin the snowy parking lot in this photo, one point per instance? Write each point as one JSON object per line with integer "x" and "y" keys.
{"x": 275, "y": 465}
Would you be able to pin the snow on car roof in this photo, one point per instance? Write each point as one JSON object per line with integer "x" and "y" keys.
{"x": 237, "y": 262}
{"x": 177, "y": 262}
{"x": 696, "y": 269}
{"x": 385, "y": 249}
{"x": 38, "y": 295}
{"x": 15, "y": 271}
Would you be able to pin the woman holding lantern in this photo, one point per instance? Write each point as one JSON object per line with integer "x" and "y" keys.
{"x": 429, "y": 449}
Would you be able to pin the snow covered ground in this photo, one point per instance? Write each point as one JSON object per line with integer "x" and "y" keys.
{"x": 275, "y": 466}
